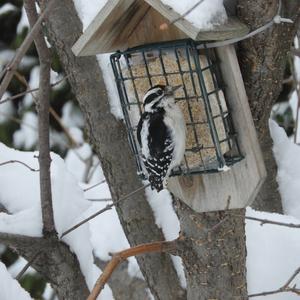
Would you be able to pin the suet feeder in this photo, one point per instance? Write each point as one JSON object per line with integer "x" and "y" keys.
{"x": 220, "y": 132}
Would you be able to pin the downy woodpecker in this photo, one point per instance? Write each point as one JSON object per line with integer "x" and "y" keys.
{"x": 161, "y": 134}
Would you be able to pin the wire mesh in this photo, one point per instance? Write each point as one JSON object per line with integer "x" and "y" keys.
{"x": 211, "y": 142}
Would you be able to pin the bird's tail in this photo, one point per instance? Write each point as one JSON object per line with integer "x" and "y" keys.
{"x": 156, "y": 183}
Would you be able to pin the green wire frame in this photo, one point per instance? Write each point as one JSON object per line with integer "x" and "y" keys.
{"x": 122, "y": 60}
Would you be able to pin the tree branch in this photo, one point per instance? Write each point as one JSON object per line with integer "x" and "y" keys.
{"x": 10, "y": 69}
{"x": 43, "y": 117}
{"x": 107, "y": 207}
{"x": 19, "y": 162}
{"x": 119, "y": 257}
{"x": 29, "y": 91}
{"x": 266, "y": 221}
{"x": 285, "y": 288}
{"x": 18, "y": 240}
{"x": 123, "y": 285}
{"x": 25, "y": 268}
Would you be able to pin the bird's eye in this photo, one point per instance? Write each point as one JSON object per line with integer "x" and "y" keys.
{"x": 159, "y": 92}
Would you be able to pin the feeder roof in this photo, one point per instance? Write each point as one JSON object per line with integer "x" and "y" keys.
{"x": 127, "y": 23}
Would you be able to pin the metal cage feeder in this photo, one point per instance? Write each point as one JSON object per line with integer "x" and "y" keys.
{"x": 211, "y": 142}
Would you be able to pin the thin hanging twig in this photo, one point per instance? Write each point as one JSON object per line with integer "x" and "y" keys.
{"x": 29, "y": 91}
{"x": 18, "y": 162}
{"x": 266, "y": 221}
{"x": 95, "y": 185}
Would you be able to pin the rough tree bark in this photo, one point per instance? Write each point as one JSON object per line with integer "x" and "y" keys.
{"x": 55, "y": 262}
{"x": 263, "y": 60}
{"x": 213, "y": 251}
{"x": 108, "y": 135}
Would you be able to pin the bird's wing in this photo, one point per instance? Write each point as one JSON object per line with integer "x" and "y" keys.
{"x": 161, "y": 150}
{"x": 139, "y": 128}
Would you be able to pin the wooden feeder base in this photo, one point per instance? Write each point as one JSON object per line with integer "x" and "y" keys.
{"x": 237, "y": 187}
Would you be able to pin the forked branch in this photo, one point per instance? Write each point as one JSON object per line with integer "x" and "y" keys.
{"x": 284, "y": 289}
{"x": 119, "y": 257}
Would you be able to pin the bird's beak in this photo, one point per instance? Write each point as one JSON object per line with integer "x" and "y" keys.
{"x": 171, "y": 89}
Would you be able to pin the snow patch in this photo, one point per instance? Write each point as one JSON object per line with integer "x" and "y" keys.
{"x": 87, "y": 11}
{"x": 167, "y": 220}
{"x": 26, "y": 137}
{"x": 287, "y": 156}
{"x": 110, "y": 84}
{"x": 272, "y": 254}
{"x": 206, "y": 15}
{"x": 10, "y": 288}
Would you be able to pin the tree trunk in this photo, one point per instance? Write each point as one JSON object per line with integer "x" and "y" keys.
{"x": 213, "y": 253}
{"x": 109, "y": 137}
{"x": 263, "y": 59}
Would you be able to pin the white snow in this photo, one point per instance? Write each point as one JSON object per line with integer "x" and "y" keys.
{"x": 7, "y": 55}
{"x": 87, "y": 12}
{"x": 205, "y": 16}
{"x": 109, "y": 80}
{"x": 17, "y": 267}
{"x": 23, "y": 21}
{"x": 10, "y": 288}
{"x": 287, "y": 156}
{"x": 71, "y": 116}
{"x": 167, "y": 220}
{"x": 6, "y": 109}
{"x": 26, "y": 137}
{"x": 272, "y": 254}
{"x": 24, "y": 205}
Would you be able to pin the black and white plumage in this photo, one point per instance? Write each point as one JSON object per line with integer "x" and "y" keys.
{"x": 161, "y": 134}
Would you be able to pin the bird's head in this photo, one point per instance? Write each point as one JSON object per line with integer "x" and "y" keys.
{"x": 159, "y": 96}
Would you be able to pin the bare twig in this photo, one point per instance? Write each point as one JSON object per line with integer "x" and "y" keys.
{"x": 11, "y": 67}
{"x": 95, "y": 185}
{"x": 43, "y": 118}
{"x": 18, "y": 162}
{"x": 100, "y": 200}
{"x": 285, "y": 288}
{"x": 266, "y": 221}
{"x": 29, "y": 91}
{"x": 107, "y": 207}
{"x": 29, "y": 263}
{"x": 92, "y": 171}
{"x": 121, "y": 282}
{"x": 119, "y": 257}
